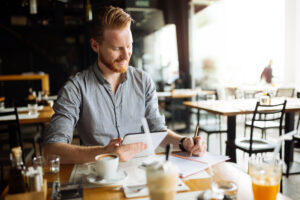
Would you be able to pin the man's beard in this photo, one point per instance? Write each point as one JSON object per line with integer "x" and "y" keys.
{"x": 113, "y": 65}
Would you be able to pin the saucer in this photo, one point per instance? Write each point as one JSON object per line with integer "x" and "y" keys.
{"x": 120, "y": 176}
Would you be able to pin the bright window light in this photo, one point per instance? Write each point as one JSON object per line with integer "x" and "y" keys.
{"x": 240, "y": 36}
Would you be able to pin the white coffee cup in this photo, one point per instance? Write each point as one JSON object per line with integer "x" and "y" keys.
{"x": 106, "y": 166}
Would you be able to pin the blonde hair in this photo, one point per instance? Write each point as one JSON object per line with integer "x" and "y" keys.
{"x": 108, "y": 17}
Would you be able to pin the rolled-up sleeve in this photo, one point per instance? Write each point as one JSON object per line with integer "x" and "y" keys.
{"x": 155, "y": 120}
{"x": 66, "y": 115}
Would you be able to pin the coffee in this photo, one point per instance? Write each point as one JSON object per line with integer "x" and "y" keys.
{"x": 162, "y": 181}
{"x": 106, "y": 157}
{"x": 106, "y": 166}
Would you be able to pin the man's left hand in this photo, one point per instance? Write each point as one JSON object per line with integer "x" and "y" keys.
{"x": 197, "y": 146}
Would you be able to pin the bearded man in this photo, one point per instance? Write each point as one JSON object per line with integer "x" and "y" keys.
{"x": 108, "y": 100}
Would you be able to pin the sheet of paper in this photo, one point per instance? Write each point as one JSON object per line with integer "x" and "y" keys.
{"x": 207, "y": 158}
{"x": 182, "y": 196}
{"x": 187, "y": 167}
{"x": 199, "y": 175}
{"x": 191, "y": 165}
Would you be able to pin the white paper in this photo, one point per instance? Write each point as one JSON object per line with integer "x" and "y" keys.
{"x": 183, "y": 196}
{"x": 191, "y": 165}
{"x": 199, "y": 175}
{"x": 208, "y": 158}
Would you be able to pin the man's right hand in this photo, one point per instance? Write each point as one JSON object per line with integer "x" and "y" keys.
{"x": 125, "y": 152}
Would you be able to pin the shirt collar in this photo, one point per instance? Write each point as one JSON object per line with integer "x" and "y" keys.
{"x": 102, "y": 79}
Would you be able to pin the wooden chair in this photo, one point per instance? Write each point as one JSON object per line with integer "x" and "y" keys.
{"x": 272, "y": 113}
{"x": 10, "y": 125}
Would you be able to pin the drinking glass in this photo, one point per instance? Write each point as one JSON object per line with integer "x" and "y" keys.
{"x": 265, "y": 173}
{"x": 52, "y": 168}
{"x": 32, "y": 109}
{"x": 225, "y": 188}
{"x": 38, "y": 164}
{"x": 2, "y": 105}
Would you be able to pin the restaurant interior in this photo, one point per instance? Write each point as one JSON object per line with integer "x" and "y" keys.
{"x": 216, "y": 65}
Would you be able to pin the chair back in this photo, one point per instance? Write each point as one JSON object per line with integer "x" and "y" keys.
{"x": 267, "y": 113}
{"x": 9, "y": 122}
{"x": 285, "y": 92}
{"x": 213, "y": 96}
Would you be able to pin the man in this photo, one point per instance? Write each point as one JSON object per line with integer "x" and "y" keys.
{"x": 267, "y": 73}
{"x": 108, "y": 100}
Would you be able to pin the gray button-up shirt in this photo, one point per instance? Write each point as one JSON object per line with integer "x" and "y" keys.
{"x": 86, "y": 102}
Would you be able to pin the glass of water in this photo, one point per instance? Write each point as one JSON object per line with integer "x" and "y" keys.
{"x": 225, "y": 188}
{"x": 52, "y": 168}
{"x": 32, "y": 108}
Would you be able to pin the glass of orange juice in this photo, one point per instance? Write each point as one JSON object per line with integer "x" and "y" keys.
{"x": 265, "y": 173}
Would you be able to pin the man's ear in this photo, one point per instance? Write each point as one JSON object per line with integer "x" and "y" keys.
{"x": 94, "y": 45}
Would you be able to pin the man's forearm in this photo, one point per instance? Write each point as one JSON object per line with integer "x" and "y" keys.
{"x": 70, "y": 153}
{"x": 171, "y": 138}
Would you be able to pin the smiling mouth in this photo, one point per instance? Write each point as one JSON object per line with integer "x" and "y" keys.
{"x": 123, "y": 62}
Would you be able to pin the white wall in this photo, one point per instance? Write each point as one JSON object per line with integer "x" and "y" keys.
{"x": 298, "y": 46}
{"x": 292, "y": 47}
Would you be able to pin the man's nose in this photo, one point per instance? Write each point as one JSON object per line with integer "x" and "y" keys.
{"x": 126, "y": 54}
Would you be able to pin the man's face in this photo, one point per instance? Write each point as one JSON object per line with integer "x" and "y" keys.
{"x": 116, "y": 49}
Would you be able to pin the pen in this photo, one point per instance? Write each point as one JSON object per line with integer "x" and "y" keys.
{"x": 168, "y": 151}
{"x": 195, "y": 135}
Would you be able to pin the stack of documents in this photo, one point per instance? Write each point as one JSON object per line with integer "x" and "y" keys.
{"x": 190, "y": 165}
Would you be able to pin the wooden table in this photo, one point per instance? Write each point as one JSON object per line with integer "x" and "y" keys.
{"x": 184, "y": 93}
{"x": 223, "y": 171}
{"x": 20, "y": 77}
{"x": 232, "y": 108}
{"x": 44, "y": 117}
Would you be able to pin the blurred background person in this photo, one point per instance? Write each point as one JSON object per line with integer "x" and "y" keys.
{"x": 267, "y": 74}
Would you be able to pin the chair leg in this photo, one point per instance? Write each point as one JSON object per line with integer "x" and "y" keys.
{"x": 40, "y": 146}
{"x": 221, "y": 143}
{"x": 263, "y": 134}
{"x": 207, "y": 142}
{"x": 245, "y": 126}
{"x": 34, "y": 147}
{"x": 289, "y": 147}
